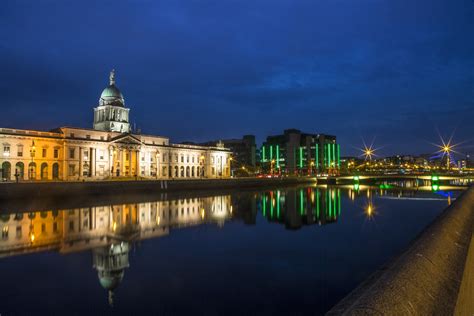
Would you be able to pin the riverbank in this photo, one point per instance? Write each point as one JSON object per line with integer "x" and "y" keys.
{"x": 425, "y": 279}
{"x": 15, "y": 195}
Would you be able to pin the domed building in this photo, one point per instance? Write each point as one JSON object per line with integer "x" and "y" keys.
{"x": 109, "y": 150}
{"x": 111, "y": 115}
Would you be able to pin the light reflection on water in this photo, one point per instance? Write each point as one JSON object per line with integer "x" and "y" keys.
{"x": 111, "y": 232}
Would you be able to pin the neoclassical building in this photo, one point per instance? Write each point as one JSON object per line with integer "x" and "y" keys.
{"x": 109, "y": 150}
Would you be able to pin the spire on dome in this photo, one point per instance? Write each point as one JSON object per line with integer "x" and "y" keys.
{"x": 112, "y": 77}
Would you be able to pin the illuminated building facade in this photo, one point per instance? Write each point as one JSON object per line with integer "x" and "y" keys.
{"x": 244, "y": 151}
{"x": 109, "y": 150}
{"x": 295, "y": 152}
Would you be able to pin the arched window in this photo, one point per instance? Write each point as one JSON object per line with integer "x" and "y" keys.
{"x": 44, "y": 171}
{"x": 6, "y": 170}
{"x": 176, "y": 171}
{"x": 20, "y": 170}
{"x": 188, "y": 172}
{"x": 182, "y": 171}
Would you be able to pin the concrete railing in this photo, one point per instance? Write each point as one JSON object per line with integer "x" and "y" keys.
{"x": 426, "y": 278}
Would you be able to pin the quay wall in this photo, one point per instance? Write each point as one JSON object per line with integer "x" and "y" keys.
{"x": 426, "y": 278}
{"x": 32, "y": 190}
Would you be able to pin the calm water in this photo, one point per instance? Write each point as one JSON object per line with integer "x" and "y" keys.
{"x": 287, "y": 251}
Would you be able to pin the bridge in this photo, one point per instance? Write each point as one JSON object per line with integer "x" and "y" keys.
{"x": 366, "y": 178}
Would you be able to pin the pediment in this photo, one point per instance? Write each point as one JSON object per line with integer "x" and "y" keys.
{"x": 126, "y": 139}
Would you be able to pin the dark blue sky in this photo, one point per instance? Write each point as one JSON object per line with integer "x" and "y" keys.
{"x": 200, "y": 70}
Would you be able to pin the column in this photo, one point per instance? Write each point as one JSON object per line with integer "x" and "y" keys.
{"x": 81, "y": 163}
{"x": 130, "y": 173}
{"x": 122, "y": 161}
{"x": 92, "y": 159}
{"x": 138, "y": 171}
{"x": 111, "y": 162}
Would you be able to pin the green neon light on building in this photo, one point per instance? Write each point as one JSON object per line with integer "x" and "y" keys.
{"x": 317, "y": 156}
{"x": 301, "y": 157}
{"x": 329, "y": 154}
{"x": 334, "y": 153}
{"x": 338, "y": 155}
{"x": 301, "y": 202}
{"x": 271, "y": 152}
{"x": 278, "y": 156}
{"x": 263, "y": 153}
{"x": 264, "y": 206}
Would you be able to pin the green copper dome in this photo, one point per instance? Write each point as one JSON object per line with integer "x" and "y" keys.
{"x": 111, "y": 92}
{"x": 112, "y": 95}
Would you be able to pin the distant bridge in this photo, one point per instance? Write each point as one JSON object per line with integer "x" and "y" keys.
{"x": 382, "y": 177}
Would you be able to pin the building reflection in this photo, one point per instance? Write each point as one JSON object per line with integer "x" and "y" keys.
{"x": 297, "y": 208}
{"x": 109, "y": 231}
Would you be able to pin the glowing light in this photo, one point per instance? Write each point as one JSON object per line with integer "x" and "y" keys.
{"x": 203, "y": 213}
{"x": 114, "y": 226}
{"x": 32, "y": 237}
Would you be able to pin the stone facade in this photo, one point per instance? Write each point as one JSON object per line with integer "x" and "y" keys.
{"x": 110, "y": 150}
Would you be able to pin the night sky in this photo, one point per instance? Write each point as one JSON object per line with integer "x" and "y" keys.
{"x": 397, "y": 70}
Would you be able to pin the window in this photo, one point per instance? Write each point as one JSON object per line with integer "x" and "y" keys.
{"x": 44, "y": 152}
{"x": 18, "y": 232}
{"x": 56, "y": 152}
{"x": 55, "y": 227}
{"x": 43, "y": 227}
{"x": 72, "y": 135}
{"x": 6, "y": 150}
{"x": 101, "y": 137}
{"x": 182, "y": 158}
{"x": 187, "y": 158}
{"x": 5, "y": 232}
{"x": 72, "y": 170}
{"x": 72, "y": 153}
{"x": 86, "y": 155}
{"x": 101, "y": 154}
{"x": 71, "y": 226}
{"x": 88, "y": 136}
{"x": 20, "y": 151}
{"x": 164, "y": 158}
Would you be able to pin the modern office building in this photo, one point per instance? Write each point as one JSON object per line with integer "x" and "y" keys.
{"x": 109, "y": 150}
{"x": 295, "y": 152}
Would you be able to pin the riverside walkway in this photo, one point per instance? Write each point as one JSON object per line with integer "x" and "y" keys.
{"x": 434, "y": 276}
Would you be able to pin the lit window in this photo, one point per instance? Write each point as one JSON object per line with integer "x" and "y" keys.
{"x": 6, "y": 150}
{"x": 56, "y": 153}
{"x": 5, "y": 232}
{"x": 20, "y": 151}
{"x": 44, "y": 152}
{"x": 72, "y": 153}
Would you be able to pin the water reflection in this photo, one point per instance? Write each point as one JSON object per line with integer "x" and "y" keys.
{"x": 297, "y": 208}
{"x": 111, "y": 232}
